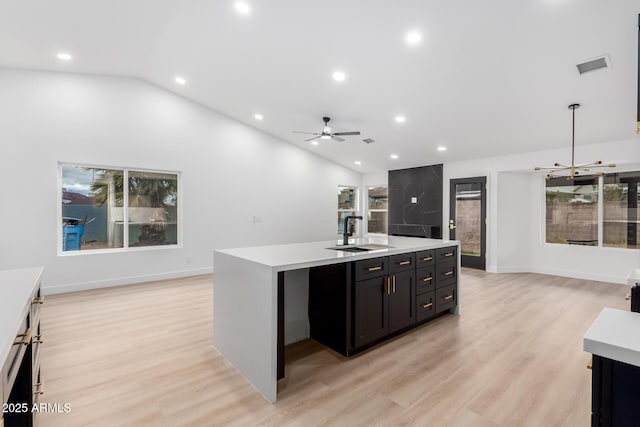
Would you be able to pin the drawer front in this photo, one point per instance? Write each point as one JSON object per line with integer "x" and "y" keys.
{"x": 402, "y": 262}
{"x": 447, "y": 254}
{"x": 425, "y": 280}
{"x": 16, "y": 354}
{"x": 446, "y": 298}
{"x": 425, "y": 306}
{"x": 36, "y": 345}
{"x": 425, "y": 258}
{"x": 370, "y": 268}
{"x": 36, "y": 303}
{"x": 446, "y": 274}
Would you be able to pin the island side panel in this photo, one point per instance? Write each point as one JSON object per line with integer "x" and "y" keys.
{"x": 245, "y": 319}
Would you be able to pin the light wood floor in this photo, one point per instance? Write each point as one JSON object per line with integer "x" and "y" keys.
{"x": 142, "y": 355}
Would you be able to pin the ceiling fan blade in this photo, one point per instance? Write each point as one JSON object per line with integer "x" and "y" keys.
{"x": 308, "y": 133}
{"x": 337, "y": 138}
{"x": 310, "y": 139}
{"x": 347, "y": 133}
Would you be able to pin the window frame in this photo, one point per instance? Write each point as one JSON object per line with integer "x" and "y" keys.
{"x": 600, "y": 181}
{"x": 356, "y": 204}
{"x": 386, "y": 211}
{"x": 125, "y": 202}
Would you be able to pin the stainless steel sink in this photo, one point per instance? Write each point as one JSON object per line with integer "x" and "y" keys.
{"x": 361, "y": 248}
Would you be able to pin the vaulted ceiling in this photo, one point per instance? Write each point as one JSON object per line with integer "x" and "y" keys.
{"x": 487, "y": 78}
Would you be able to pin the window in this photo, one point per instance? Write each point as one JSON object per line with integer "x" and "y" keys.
{"x": 99, "y": 212}
{"x": 347, "y": 205}
{"x": 621, "y": 210}
{"x": 572, "y": 211}
{"x": 377, "y": 210}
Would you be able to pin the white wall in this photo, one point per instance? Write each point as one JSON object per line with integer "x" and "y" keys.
{"x": 515, "y": 213}
{"x": 231, "y": 172}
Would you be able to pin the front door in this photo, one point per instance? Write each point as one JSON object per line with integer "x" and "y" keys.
{"x": 467, "y": 219}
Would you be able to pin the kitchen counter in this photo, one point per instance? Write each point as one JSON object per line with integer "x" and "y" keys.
{"x": 313, "y": 254}
{"x": 16, "y": 289}
{"x": 615, "y": 334}
{"x": 249, "y": 290}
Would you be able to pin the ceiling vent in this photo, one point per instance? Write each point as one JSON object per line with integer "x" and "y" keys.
{"x": 594, "y": 64}
{"x": 368, "y": 140}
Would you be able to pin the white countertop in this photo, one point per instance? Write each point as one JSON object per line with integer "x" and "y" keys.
{"x": 310, "y": 254}
{"x": 633, "y": 277}
{"x": 16, "y": 289}
{"x": 615, "y": 334}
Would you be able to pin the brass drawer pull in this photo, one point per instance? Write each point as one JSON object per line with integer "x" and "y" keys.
{"x": 448, "y": 254}
{"x": 448, "y": 297}
{"x": 427, "y": 279}
{"x": 394, "y": 284}
{"x": 428, "y": 258}
{"x": 38, "y": 339}
{"x": 375, "y": 268}
{"x": 39, "y": 388}
{"x": 37, "y": 300}
{"x": 427, "y": 305}
{"x": 448, "y": 273}
{"x": 387, "y": 284}
{"x": 405, "y": 262}
{"x": 26, "y": 338}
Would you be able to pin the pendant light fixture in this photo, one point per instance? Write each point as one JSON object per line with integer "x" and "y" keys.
{"x": 573, "y": 170}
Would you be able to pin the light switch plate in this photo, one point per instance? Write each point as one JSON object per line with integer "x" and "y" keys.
{"x": 414, "y": 200}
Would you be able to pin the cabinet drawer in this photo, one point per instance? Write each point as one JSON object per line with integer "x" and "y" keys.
{"x": 16, "y": 354}
{"x": 369, "y": 268}
{"x": 425, "y": 280}
{"x": 402, "y": 262}
{"x": 425, "y": 258}
{"x": 36, "y": 303}
{"x": 446, "y": 298}
{"x": 425, "y": 306}
{"x": 446, "y": 254}
{"x": 446, "y": 274}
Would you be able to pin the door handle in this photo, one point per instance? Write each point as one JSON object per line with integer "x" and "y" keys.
{"x": 452, "y": 224}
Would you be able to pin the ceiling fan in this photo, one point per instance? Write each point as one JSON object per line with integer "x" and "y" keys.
{"x": 328, "y": 133}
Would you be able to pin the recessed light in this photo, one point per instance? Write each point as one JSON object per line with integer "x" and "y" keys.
{"x": 394, "y": 156}
{"x": 400, "y": 119}
{"x": 314, "y": 142}
{"x": 357, "y": 162}
{"x": 181, "y": 80}
{"x": 258, "y": 116}
{"x": 413, "y": 38}
{"x": 242, "y": 7}
{"x": 442, "y": 148}
{"x": 339, "y": 76}
{"x": 64, "y": 56}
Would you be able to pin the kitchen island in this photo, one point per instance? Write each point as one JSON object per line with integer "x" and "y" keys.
{"x": 249, "y": 297}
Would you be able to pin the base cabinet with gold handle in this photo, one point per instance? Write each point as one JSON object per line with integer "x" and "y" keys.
{"x": 355, "y": 305}
{"x": 615, "y": 393}
{"x": 19, "y": 289}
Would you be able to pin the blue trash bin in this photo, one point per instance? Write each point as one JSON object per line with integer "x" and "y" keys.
{"x": 72, "y": 233}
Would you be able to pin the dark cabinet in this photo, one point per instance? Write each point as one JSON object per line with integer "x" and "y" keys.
{"x": 357, "y": 304}
{"x": 383, "y": 305}
{"x": 615, "y": 393}
{"x": 401, "y": 301}
{"x": 371, "y": 310}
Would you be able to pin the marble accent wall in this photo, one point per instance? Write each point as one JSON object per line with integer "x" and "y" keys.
{"x": 415, "y": 202}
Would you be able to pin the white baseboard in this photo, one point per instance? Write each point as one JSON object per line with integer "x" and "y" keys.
{"x": 514, "y": 269}
{"x": 98, "y": 284}
{"x": 580, "y": 275}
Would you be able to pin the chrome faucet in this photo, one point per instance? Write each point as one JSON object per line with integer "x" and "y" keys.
{"x": 346, "y": 233}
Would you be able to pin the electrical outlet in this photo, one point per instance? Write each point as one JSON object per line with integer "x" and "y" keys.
{"x": 414, "y": 200}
